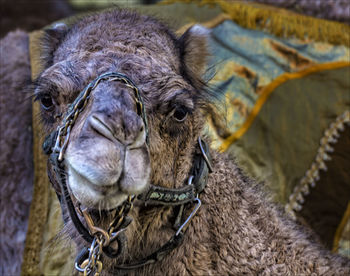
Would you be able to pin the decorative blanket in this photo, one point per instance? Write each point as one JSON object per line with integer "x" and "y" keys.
{"x": 282, "y": 109}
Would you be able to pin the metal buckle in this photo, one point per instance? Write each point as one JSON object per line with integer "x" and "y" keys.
{"x": 189, "y": 218}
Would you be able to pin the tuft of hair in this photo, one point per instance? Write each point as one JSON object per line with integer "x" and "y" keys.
{"x": 51, "y": 40}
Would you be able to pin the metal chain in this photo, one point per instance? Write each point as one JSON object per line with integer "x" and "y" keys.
{"x": 73, "y": 112}
{"x": 120, "y": 215}
{"x": 92, "y": 265}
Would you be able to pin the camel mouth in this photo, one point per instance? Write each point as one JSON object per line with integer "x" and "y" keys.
{"x": 87, "y": 193}
{"x": 103, "y": 189}
{"x": 104, "y": 179}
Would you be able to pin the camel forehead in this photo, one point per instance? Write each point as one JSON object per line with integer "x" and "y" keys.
{"x": 120, "y": 41}
{"x": 122, "y": 32}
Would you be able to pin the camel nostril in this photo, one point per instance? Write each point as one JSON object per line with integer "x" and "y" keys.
{"x": 100, "y": 127}
{"x": 139, "y": 139}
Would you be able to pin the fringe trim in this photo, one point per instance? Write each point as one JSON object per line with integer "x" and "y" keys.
{"x": 331, "y": 135}
{"x": 280, "y": 22}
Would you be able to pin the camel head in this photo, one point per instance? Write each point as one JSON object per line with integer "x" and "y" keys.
{"x": 112, "y": 152}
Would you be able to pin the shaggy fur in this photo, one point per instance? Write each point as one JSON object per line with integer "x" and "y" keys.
{"x": 237, "y": 230}
{"x": 16, "y": 168}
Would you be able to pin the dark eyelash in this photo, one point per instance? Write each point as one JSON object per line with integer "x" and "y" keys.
{"x": 44, "y": 88}
{"x": 40, "y": 95}
{"x": 183, "y": 107}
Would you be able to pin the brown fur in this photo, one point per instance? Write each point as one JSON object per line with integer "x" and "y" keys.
{"x": 16, "y": 168}
{"x": 237, "y": 230}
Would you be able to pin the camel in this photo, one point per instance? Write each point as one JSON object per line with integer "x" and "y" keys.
{"x": 123, "y": 103}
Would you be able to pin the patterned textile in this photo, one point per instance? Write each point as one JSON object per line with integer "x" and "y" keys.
{"x": 247, "y": 61}
{"x": 282, "y": 110}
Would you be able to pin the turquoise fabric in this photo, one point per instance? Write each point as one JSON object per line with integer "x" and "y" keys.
{"x": 245, "y": 61}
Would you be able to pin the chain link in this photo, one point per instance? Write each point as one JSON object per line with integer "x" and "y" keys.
{"x": 120, "y": 215}
{"x": 93, "y": 265}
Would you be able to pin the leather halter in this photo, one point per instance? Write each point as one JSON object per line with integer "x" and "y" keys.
{"x": 54, "y": 146}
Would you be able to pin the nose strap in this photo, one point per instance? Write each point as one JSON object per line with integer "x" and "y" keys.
{"x": 58, "y": 139}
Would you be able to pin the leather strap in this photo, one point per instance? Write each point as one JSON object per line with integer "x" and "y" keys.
{"x": 66, "y": 198}
{"x": 158, "y": 255}
{"x": 157, "y": 195}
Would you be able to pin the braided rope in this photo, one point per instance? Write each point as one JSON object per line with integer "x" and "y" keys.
{"x": 331, "y": 135}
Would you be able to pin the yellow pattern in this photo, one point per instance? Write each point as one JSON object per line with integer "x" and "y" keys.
{"x": 269, "y": 89}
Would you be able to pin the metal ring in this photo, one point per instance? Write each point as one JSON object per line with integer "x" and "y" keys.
{"x": 190, "y": 179}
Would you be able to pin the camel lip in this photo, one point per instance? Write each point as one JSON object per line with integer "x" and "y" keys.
{"x": 103, "y": 189}
{"x": 96, "y": 188}
{"x": 92, "y": 196}
{"x": 83, "y": 170}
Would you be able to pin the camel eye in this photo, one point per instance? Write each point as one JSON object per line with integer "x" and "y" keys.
{"x": 180, "y": 114}
{"x": 46, "y": 102}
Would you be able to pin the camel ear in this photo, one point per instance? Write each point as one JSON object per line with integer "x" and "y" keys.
{"x": 194, "y": 48}
{"x": 53, "y": 36}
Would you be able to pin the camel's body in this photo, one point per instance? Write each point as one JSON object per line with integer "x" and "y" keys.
{"x": 16, "y": 162}
{"x": 237, "y": 230}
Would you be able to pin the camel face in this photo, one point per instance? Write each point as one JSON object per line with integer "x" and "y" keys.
{"x": 107, "y": 157}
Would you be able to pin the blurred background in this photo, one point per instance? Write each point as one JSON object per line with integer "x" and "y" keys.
{"x": 34, "y": 14}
